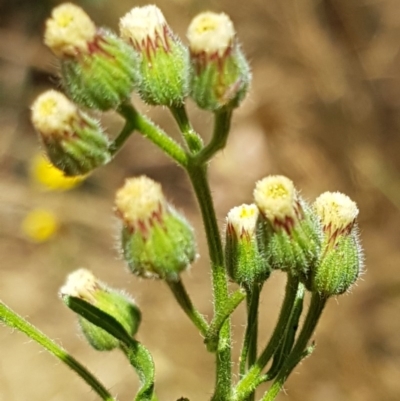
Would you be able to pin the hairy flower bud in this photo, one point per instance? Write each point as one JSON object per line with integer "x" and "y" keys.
{"x": 245, "y": 263}
{"x": 164, "y": 65}
{"x": 220, "y": 72}
{"x": 156, "y": 240}
{"x": 74, "y": 142}
{"x": 341, "y": 254}
{"x": 82, "y": 284}
{"x": 291, "y": 232}
{"x": 99, "y": 70}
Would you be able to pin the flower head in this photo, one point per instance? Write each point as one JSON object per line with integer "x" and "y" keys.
{"x": 242, "y": 220}
{"x": 146, "y": 28}
{"x": 245, "y": 262}
{"x": 156, "y": 240}
{"x": 53, "y": 114}
{"x": 336, "y": 211}
{"x": 277, "y": 199}
{"x": 69, "y": 31}
{"x": 220, "y": 72}
{"x": 211, "y": 33}
{"x": 140, "y": 201}
{"x": 74, "y": 141}
{"x": 81, "y": 284}
{"x": 164, "y": 66}
{"x": 341, "y": 256}
{"x": 82, "y": 288}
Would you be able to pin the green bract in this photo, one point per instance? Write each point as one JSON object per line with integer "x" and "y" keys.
{"x": 103, "y": 77}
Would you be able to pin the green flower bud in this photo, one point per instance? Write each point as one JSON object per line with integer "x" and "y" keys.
{"x": 74, "y": 142}
{"x": 83, "y": 285}
{"x": 99, "y": 70}
{"x": 341, "y": 254}
{"x": 220, "y": 72}
{"x": 164, "y": 65}
{"x": 291, "y": 232}
{"x": 156, "y": 240}
{"x": 245, "y": 263}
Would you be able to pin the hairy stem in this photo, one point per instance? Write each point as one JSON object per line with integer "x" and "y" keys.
{"x": 13, "y": 320}
{"x": 186, "y": 304}
{"x": 220, "y": 135}
{"x": 155, "y": 134}
{"x": 198, "y": 177}
{"x": 249, "y": 349}
{"x": 300, "y": 349}
{"x": 253, "y": 378}
{"x": 192, "y": 138}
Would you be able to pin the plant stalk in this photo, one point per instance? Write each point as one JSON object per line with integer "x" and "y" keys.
{"x": 15, "y": 321}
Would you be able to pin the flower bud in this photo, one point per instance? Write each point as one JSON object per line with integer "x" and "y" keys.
{"x": 220, "y": 72}
{"x": 82, "y": 284}
{"x": 156, "y": 240}
{"x": 291, "y": 233}
{"x": 74, "y": 142}
{"x": 341, "y": 254}
{"x": 99, "y": 70}
{"x": 245, "y": 263}
{"x": 164, "y": 65}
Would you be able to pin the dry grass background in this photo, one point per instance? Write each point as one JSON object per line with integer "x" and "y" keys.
{"x": 324, "y": 109}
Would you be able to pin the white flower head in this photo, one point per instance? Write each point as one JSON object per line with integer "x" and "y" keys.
{"x": 53, "y": 113}
{"x": 143, "y": 24}
{"x": 211, "y": 33}
{"x": 69, "y": 30}
{"x": 276, "y": 197}
{"x": 139, "y": 200}
{"x": 243, "y": 219}
{"x": 336, "y": 211}
{"x": 80, "y": 284}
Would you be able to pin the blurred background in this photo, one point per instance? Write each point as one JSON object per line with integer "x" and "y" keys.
{"x": 324, "y": 109}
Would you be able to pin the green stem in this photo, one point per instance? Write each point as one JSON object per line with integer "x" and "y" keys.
{"x": 198, "y": 177}
{"x": 220, "y": 136}
{"x": 299, "y": 351}
{"x": 249, "y": 349}
{"x": 155, "y": 134}
{"x": 141, "y": 360}
{"x": 119, "y": 141}
{"x": 212, "y": 336}
{"x": 13, "y": 320}
{"x": 253, "y": 320}
{"x": 192, "y": 138}
{"x": 186, "y": 304}
{"x": 253, "y": 378}
{"x": 286, "y": 345}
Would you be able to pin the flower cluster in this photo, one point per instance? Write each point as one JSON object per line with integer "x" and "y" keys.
{"x": 315, "y": 245}
{"x": 100, "y": 70}
{"x": 318, "y": 243}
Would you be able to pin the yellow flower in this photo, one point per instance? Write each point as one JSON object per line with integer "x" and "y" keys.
{"x": 39, "y": 225}
{"x": 50, "y": 177}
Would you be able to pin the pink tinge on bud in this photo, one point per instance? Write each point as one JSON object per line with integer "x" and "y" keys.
{"x": 146, "y": 29}
{"x": 242, "y": 220}
{"x": 211, "y": 37}
{"x": 337, "y": 213}
{"x": 277, "y": 200}
{"x": 69, "y": 31}
{"x": 140, "y": 204}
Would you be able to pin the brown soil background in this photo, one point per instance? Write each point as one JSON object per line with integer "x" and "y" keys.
{"x": 324, "y": 109}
